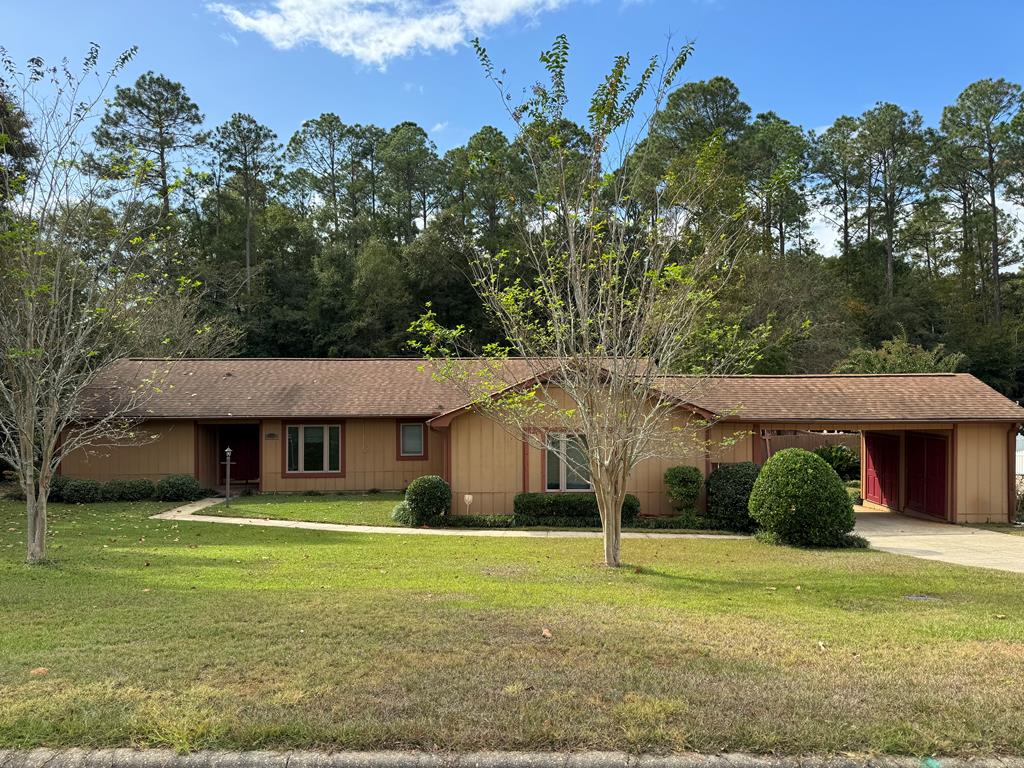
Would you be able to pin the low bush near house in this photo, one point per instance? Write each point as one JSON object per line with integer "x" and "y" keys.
{"x": 82, "y": 492}
{"x": 178, "y": 488}
{"x": 401, "y": 514}
{"x": 799, "y": 499}
{"x": 429, "y": 499}
{"x": 683, "y": 484}
{"x": 729, "y": 487}
{"x": 842, "y": 459}
{"x": 58, "y": 486}
{"x": 688, "y": 521}
{"x": 128, "y": 490}
{"x": 478, "y": 521}
{"x": 566, "y": 510}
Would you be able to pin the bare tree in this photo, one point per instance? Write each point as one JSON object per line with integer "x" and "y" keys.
{"x": 605, "y": 299}
{"x": 75, "y": 287}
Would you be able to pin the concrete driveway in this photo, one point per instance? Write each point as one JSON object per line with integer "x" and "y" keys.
{"x": 940, "y": 541}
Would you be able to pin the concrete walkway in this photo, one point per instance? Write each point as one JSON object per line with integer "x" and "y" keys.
{"x": 188, "y": 512}
{"x": 930, "y": 540}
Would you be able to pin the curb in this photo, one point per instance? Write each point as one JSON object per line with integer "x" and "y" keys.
{"x": 167, "y": 758}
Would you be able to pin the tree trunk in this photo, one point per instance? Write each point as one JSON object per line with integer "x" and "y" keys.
{"x": 248, "y": 245}
{"x": 35, "y": 509}
{"x": 846, "y": 219}
{"x": 996, "y": 294}
{"x": 609, "y": 505}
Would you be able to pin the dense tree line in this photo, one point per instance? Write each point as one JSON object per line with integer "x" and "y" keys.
{"x": 330, "y": 242}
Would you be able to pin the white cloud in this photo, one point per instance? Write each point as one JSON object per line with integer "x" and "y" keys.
{"x": 228, "y": 37}
{"x": 438, "y": 127}
{"x": 374, "y": 31}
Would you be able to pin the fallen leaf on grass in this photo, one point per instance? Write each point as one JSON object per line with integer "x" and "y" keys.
{"x": 546, "y": 633}
{"x": 39, "y": 671}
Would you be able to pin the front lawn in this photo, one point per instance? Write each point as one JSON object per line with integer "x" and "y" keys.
{"x": 343, "y": 508}
{"x": 195, "y": 635}
{"x": 353, "y": 509}
{"x": 1016, "y": 530}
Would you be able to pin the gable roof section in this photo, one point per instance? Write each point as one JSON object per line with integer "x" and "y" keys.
{"x": 403, "y": 387}
{"x": 943, "y": 397}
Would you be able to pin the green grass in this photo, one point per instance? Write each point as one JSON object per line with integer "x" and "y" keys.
{"x": 1015, "y": 530}
{"x": 342, "y": 508}
{"x": 196, "y": 635}
{"x": 355, "y": 509}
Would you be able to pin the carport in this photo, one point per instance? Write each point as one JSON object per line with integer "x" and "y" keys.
{"x": 939, "y": 446}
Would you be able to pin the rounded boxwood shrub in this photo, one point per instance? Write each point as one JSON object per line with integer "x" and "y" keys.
{"x": 842, "y": 459}
{"x": 82, "y": 492}
{"x": 729, "y": 487}
{"x": 799, "y": 499}
{"x": 683, "y": 485}
{"x": 177, "y": 488}
{"x": 429, "y": 499}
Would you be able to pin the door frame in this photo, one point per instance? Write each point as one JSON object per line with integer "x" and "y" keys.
{"x": 896, "y": 444}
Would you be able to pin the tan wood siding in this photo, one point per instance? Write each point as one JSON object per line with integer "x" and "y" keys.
{"x": 169, "y": 450}
{"x": 487, "y": 462}
{"x": 370, "y": 459}
{"x": 981, "y": 473}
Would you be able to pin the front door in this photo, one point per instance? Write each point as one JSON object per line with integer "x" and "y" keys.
{"x": 244, "y": 441}
{"x": 882, "y": 469}
{"x": 926, "y": 474}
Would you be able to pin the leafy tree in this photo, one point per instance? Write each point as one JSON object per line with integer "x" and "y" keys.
{"x": 156, "y": 120}
{"x": 898, "y": 355}
{"x": 587, "y": 286}
{"x": 251, "y": 153}
{"x": 980, "y": 126}
{"x": 74, "y": 289}
{"x": 836, "y": 163}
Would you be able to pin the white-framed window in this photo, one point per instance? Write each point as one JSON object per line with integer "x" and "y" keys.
{"x": 570, "y": 473}
{"x": 412, "y": 440}
{"x": 313, "y": 448}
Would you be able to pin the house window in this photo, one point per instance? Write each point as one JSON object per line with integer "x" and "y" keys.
{"x": 566, "y": 458}
{"x": 313, "y": 448}
{"x": 412, "y": 440}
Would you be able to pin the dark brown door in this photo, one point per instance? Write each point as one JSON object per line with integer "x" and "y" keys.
{"x": 927, "y": 474}
{"x": 245, "y": 452}
{"x": 882, "y": 469}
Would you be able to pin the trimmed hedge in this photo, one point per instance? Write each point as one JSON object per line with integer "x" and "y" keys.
{"x": 729, "y": 487}
{"x": 128, "y": 490}
{"x": 842, "y": 459}
{"x": 799, "y": 499}
{"x": 429, "y": 499}
{"x": 82, "y": 491}
{"x": 566, "y": 510}
{"x": 683, "y": 486}
{"x": 401, "y": 514}
{"x": 178, "y": 488}
{"x": 58, "y": 486}
{"x": 478, "y": 521}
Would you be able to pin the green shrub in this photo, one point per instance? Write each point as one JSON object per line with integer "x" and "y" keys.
{"x": 401, "y": 514}
{"x": 128, "y": 490}
{"x": 478, "y": 521}
{"x": 1019, "y": 517}
{"x": 799, "y": 499}
{"x": 677, "y": 522}
{"x": 429, "y": 499}
{"x": 82, "y": 492}
{"x": 683, "y": 484}
{"x": 58, "y": 486}
{"x": 842, "y": 459}
{"x": 729, "y": 487}
{"x": 178, "y": 488}
{"x": 567, "y": 510}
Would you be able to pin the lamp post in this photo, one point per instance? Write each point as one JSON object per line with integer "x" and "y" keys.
{"x": 227, "y": 476}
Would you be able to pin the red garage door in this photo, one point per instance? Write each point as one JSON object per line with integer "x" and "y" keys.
{"x": 882, "y": 469}
{"x": 926, "y": 474}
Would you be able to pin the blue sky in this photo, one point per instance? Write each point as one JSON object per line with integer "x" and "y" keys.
{"x": 396, "y": 60}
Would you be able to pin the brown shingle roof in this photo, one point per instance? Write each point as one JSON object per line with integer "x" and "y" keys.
{"x": 850, "y": 398}
{"x": 309, "y": 388}
{"x": 284, "y": 387}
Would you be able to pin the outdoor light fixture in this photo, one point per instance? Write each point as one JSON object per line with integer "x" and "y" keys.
{"x": 468, "y": 498}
